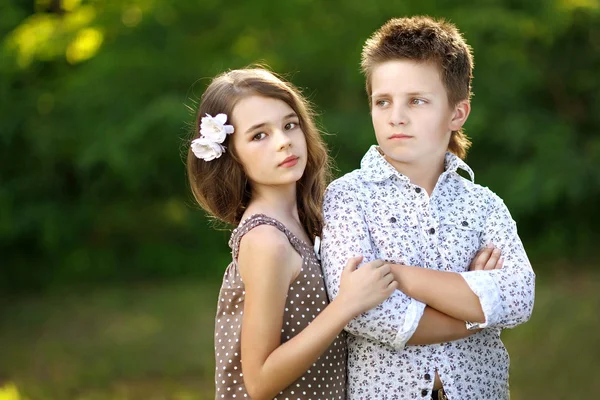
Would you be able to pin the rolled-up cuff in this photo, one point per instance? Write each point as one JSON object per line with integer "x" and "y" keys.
{"x": 414, "y": 312}
{"x": 484, "y": 286}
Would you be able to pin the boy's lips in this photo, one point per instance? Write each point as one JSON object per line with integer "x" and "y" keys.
{"x": 400, "y": 136}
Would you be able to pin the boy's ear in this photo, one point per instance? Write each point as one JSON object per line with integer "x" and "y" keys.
{"x": 459, "y": 117}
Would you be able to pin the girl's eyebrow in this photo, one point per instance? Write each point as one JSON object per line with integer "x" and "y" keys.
{"x": 253, "y": 127}
{"x": 262, "y": 124}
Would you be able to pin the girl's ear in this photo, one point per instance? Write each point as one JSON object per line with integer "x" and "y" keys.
{"x": 460, "y": 114}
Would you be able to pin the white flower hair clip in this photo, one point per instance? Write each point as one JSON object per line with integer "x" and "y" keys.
{"x": 213, "y": 132}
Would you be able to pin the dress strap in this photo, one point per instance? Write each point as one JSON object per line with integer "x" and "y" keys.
{"x": 260, "y": 219}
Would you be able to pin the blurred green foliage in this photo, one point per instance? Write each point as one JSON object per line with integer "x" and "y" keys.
{"x": 94, "y": 117}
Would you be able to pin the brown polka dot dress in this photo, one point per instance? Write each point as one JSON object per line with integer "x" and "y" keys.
{"x": 306, "y": 298}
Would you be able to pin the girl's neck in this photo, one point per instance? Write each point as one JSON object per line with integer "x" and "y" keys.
{"x": 275, "y": 201}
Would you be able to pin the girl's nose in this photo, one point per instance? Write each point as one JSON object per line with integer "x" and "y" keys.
{"x": 284, "y": 140}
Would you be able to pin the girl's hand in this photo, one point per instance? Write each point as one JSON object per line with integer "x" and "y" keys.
{"x": 487, "y": 258}
{"x": 363, "y": 288}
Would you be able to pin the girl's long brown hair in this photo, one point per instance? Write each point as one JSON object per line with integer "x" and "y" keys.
{"x": 220, "y": 186}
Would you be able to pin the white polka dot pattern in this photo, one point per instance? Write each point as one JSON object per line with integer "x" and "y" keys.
{"x": 326, "y": 379}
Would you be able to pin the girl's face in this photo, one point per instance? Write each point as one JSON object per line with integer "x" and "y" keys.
{"x": 268, "y": 141}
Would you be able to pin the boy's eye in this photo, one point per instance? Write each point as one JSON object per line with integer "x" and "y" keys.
{"x": 290, "y": 125}
{"x": 418, "y": 102}
{"x": 259, "y": 136}
{"x": 382, "y": 103}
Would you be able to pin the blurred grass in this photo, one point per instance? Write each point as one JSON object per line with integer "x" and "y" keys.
{"x": 155, "y": 342}
{"x": 140, "y": 342}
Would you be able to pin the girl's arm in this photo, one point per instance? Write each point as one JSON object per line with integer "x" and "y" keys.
{"x": 268, "y": 264}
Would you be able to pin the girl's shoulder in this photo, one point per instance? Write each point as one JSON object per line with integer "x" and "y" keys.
{"x": 271, "y": 231}
{"x": 251, "y": 223}
{"x": 266, "y": 239}
{"x": 265, "y": 252}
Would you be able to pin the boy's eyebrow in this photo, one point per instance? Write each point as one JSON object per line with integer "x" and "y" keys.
{"x": 262, "y": 124}
{"x": 378, "y": 94}
{"x": 417, "y": 93}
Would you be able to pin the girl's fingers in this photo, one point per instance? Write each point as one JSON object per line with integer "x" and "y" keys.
{"x": 385, "y": 269}
{"x": 376, "y": 264}
{"x": 387, "y": 279}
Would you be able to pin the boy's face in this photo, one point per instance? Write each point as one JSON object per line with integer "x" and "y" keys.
{"x": 411, "y": 115}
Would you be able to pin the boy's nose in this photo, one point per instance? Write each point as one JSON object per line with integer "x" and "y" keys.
{"x": 398, "y": 116}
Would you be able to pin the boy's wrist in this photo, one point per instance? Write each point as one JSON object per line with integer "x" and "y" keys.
{"x": 401, "y": 275}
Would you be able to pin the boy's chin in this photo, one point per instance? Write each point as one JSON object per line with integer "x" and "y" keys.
{"x": 401, "y": 155}
{"x": 411, "y": 155}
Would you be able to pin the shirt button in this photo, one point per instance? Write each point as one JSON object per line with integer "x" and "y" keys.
{"x": 464, "y": 223}
{"x": 431, "y": 231}
{"x": 427, "y": 377}
{"x": 424, "y": 392}
{"x": 393, "y": 220}
{"x": 418, "y": 190}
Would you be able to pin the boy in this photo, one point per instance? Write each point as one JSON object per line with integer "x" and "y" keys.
{"x": 408, "y": 206}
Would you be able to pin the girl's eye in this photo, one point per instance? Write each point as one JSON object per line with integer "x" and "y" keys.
{"x": 259, "y": 136}
{"x": 382, "y": 103}
{"x": 290, "y": 125}
{"x": 418, "y": 102}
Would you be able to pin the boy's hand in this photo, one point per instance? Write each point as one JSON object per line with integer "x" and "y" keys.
{"x": 487, "y": 258}
{"x": 363, "y": 288}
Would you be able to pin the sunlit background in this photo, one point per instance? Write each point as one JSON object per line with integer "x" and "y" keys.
{"x": 109, "y": 272}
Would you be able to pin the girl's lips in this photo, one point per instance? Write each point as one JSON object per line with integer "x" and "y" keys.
{"x": 289, "y": 162}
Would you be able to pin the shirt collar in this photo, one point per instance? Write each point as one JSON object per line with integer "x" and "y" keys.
{"x": 375, "y": 168}
{"x": 453, "y": 162}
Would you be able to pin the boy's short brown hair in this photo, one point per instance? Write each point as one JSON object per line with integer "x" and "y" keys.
{"x": 424, "y": 39}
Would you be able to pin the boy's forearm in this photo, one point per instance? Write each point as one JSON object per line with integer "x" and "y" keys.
{"x": 437, "y": 327}
{"x": 447, "y": 292}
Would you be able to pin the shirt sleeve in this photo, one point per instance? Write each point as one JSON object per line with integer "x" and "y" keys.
{"x": 345, "y": 235}
{"x": 506, "y": 295}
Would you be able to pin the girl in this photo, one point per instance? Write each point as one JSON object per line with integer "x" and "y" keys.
{"x": 276, "y": 334}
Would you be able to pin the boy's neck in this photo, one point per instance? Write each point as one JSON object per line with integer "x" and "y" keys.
{"x": 424, "y": 174}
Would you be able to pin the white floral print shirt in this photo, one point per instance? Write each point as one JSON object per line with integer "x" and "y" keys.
{"x": 377, "y": 212}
